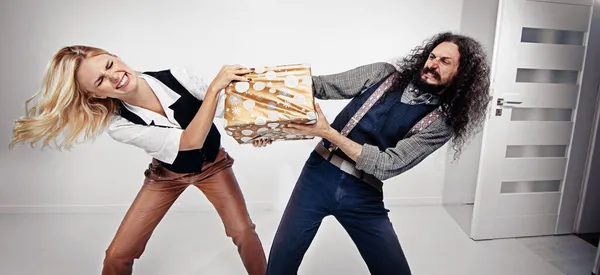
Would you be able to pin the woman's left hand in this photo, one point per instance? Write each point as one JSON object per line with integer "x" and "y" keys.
{"x": 262, "y": 142}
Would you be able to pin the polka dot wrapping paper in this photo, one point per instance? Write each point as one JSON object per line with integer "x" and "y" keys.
{"x": 276, "y": 96}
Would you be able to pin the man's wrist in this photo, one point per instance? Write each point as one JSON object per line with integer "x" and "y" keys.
{"x": 349, "y": 147}
{"x": 330, "y": 134}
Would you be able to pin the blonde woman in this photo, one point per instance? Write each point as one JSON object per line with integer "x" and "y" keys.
{"x": 169, "y": 114}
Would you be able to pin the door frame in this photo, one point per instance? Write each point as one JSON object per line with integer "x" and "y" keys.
{"x": 596, "y": 268}
{"x": 593, "y": 158}
{"x": 584, "y": 122}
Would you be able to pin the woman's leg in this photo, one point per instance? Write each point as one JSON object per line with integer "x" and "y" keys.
{"x": 220, "y": 186}
{"x": 150, "y": 205}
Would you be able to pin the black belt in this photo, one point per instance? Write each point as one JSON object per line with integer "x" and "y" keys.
{"x": 348, "y": 167}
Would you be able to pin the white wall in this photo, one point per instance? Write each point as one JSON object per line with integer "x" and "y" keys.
{"x": 460, "y": 181}
{"x": 478, "y": 21}
{"x": 333, "y": 36}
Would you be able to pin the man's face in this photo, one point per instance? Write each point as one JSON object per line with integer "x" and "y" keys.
{"x": 441, "y": 66}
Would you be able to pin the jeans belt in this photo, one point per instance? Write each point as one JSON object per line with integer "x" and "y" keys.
{"x": 347, "y": 166}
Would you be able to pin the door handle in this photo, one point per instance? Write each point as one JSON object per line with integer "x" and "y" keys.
{"x": 502, "y": 102}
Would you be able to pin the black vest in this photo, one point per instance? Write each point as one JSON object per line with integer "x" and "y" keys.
{"x": 184, "y": 110}
{"x": 386, "y": 123}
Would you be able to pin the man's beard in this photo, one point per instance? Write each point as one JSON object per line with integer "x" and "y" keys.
{"x": 425, "y": 87}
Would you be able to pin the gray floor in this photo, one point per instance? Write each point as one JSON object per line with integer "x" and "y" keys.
{"x": 569, "y": 254}
{"x": 194, "y": 243}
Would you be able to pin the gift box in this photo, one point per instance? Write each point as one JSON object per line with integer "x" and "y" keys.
{"x": 276, "y": 96}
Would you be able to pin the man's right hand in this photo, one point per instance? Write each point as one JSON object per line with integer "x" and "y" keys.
{"x": 226, "y": 75}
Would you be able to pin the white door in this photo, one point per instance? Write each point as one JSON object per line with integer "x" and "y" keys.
{"x": 539, "y": 55}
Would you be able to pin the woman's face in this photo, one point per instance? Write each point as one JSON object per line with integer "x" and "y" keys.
{"x": 106, "y": 76}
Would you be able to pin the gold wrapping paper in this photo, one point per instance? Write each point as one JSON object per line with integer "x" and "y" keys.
{"x": 275, "y": 97}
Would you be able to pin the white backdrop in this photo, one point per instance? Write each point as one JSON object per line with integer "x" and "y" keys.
{"x": 104, "y": 175}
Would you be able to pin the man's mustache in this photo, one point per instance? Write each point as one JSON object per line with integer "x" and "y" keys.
{"x": 432, "y": 71}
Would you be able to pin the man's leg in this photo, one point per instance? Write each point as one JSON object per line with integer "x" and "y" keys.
{"x": 364, "y": 217}
{"x": 149, "y": 207}
{"x": 307, "y": 207}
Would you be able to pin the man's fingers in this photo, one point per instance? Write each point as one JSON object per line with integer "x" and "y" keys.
{"x": 295, "y": 128}
{"x": 296, "y": 125}
{"x": 289, "y": 129}
{"x": 319, "y": 112}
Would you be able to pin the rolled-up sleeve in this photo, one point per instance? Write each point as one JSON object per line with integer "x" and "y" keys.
{"x": 406, "y": 154}
{"x": 158, "y": 142}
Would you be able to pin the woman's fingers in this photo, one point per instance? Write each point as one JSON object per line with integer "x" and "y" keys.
{"x": 243, "y": 71}
{"x": 240, "y": 78}
{"x": 262, "y": 142}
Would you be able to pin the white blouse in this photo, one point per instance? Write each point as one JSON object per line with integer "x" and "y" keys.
{"x": 159, "y": 142}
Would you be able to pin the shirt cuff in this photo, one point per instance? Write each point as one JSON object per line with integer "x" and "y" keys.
{"x": 368, "y": 158}
{"x": 220, "y": 109}
{"x": 168, "y": 153}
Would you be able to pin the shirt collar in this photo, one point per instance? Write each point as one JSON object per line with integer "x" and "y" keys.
{"x": 165, "y": 96}
{"x": 416, "y": 96}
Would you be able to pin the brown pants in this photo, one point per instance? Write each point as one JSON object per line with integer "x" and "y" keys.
{"x": 160, "y": 190}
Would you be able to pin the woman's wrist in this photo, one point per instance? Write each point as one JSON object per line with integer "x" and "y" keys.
{"x": 212, "y": 92}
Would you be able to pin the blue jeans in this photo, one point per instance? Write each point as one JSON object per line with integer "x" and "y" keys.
{"x": 322, "y": 190}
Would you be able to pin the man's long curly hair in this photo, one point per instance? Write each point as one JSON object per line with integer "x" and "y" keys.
{"x": 465, "y": 100}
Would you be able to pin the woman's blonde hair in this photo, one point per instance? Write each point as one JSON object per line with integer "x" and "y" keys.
{"x": 63, "y": 107}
